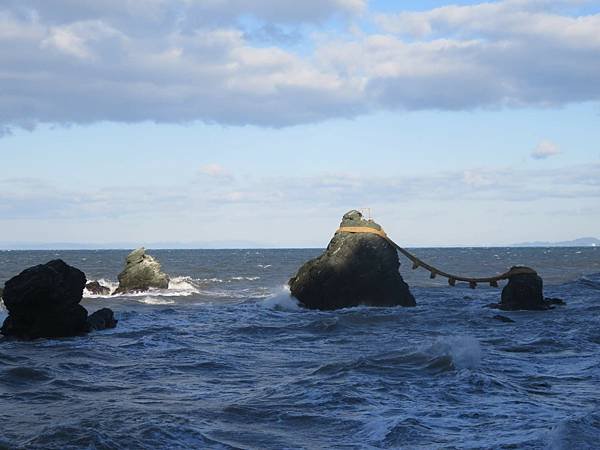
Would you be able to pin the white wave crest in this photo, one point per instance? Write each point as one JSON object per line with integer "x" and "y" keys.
{"x": 156, "y": 301}
{"x": 181, "y": 287}
{"x": 245, "y": 278}
{"x": 282, "y": 301}
{"x": 178, "y": 287}
{"x": 465, "y": 351}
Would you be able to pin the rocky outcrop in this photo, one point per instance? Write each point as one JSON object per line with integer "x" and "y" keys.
{"x": 43, "y": 301}
{"x": 102, "y": 319}
{"x": 525, "y": 291}
{"x": 95, "y": 288}
{"x": 141, "y": 273}
{"x": 356, "y": 269}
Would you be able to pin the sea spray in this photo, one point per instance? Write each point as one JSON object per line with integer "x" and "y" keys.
{"x": 282, "y": 301}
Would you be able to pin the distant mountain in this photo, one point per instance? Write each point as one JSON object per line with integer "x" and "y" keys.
{"x": 581, "y": 242}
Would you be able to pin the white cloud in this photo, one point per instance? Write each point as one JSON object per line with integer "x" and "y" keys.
{"x": 215, "y": 170}
{"x": 182, "y": 61}
{"x": 545, "y": 149}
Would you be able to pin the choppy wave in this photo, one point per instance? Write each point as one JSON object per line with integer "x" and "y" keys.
{"x": 581, "y": 431}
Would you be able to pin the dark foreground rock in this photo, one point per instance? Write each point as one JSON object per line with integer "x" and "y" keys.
{"x": 141, "y": 273}
{"x": 525, "y": 291}
{"x": 43, "y": 302}
{"x": 356, "y": 269}
{"x": 102, "y": 319}
{"x": 95, "y": 288}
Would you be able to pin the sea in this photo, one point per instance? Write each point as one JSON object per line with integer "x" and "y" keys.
{"x": 227, "y": 359}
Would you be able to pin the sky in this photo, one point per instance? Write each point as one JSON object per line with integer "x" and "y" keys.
{"x": 225, "y": 123}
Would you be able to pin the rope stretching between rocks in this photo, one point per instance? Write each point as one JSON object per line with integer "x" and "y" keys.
{"x": 452, "y": 279}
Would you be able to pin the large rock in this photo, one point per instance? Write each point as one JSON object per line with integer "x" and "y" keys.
{"x": 141, "y": 273}
{"x": 43, "y": 301}
{"x": 356, "y": 269}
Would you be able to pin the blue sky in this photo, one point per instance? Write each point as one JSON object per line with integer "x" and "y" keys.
{"x": 260, "y": 121}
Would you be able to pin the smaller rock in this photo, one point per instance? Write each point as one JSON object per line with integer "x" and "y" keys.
{"x": 503, "y": 319}
{"x": 524, "y": 291}
{"x": 95, "y": 288}
{"x": 102, "y": 319}
{"x": 141, "y": 273}
{"x": 1, "y": 292}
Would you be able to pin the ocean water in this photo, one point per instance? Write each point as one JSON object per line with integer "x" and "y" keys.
{"x": 226, "y": 359}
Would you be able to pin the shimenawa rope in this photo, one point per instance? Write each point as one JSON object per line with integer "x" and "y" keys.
{"x": 434, "y": 271}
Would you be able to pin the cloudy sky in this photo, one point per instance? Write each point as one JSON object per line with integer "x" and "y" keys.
{"x": 228, "y": 121}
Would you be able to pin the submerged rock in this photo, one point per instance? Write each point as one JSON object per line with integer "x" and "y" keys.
{"x": 356, "y": 269}
{"x": 95, "y": 288}
{"x": 141, "y": 273}
{"x": 102, "y": 319}
{"x": 555, "y": 301}
{"x": 503, "y": 319}
{"x": 43, "y": 301}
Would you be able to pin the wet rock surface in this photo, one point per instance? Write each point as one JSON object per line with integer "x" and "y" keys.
{"x": 142, "y": 272}
{"x": 356, "y": 269}
{"x": 95, "y": 288}
{"x": 102, "y": 319}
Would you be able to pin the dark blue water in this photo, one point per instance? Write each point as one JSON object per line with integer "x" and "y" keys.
{"x": 225, "y": 359}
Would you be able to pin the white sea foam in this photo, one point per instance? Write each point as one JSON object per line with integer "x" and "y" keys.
{"x": 282, "y": 301}
{"x": 182, "y": 287}
{"x": 245, "y": 278}
{"x": 112, "y": 285}
{"x": 178, "y": 287}
{"x": 148, "y": 300}
{"x": 211, "y": 280}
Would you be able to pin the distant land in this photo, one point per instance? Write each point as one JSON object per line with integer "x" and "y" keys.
{"x": 581, "y": 242}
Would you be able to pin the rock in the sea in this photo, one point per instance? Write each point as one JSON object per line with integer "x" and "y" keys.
{"x": 141, "y": 273}
{"x": 1, "y": 292}
{"x": 95, "y": 288}
{"x": 102, "y": 319}
{"x": 524, "y": 291}
{"x": 356, "y": 269}
{"x": 43, "y": 301}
